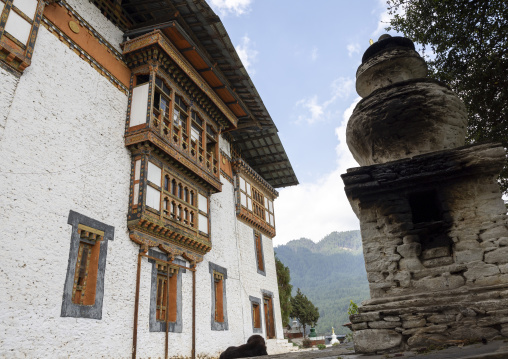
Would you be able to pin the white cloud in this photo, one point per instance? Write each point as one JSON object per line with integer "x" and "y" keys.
{"x": 316, "y": 111}
{"x": 247, "y": 54}
{"x": 353, "y": 49}
{"x": 313, "y": 210}
{"x": 384, "y": 19}
{"x": 314, "y": 54}
{"x": 235, "y": 7}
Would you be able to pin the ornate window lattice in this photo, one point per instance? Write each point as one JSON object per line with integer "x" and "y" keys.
{"x": 87, "y": 262}
{"x": 173, "y": 198}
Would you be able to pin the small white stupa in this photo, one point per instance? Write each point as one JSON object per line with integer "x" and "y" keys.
{"x": 334, "y": 337}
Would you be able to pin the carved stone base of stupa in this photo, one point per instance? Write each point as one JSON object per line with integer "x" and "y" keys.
{"x": 453, "y": 317}
{"x": 435, "y": 241}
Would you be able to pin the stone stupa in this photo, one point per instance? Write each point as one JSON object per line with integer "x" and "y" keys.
{"x": 433, "y": 222}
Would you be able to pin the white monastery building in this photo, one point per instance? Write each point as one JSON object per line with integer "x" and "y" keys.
{"x": 139, "y": 170}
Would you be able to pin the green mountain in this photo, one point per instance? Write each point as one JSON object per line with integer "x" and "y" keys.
{"x": 330, "y": 273}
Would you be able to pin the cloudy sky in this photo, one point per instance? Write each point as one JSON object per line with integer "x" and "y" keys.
{"x": 302, "y": 57}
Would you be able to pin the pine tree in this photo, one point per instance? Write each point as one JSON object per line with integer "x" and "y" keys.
{"x": 283, "y": 279}
{"x": 303, "y": 310}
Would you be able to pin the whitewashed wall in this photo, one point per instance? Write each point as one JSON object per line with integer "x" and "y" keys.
{"x": 9, "y": 82}
{"x": 63, "y": 149}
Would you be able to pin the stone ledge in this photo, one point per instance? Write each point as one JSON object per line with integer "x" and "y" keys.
{"x": 486, "y": 159}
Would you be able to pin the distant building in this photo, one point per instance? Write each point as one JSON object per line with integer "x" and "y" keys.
{"x": 139, "y": 169}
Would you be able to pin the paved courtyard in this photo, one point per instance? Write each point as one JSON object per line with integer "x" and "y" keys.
{"x": 492, "y": 350}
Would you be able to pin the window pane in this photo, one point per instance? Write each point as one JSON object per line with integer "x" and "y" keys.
{"x": 242, "y": 184}
{"x": 135, "y": 194}
{"x": 138, "y": 107}
{"x": 203, "y": 203}
{"x": 249, "y": 203}
{"x": 203, "y": 223}
{"x": 18, "y": 27}
{"x": 153, "y": 198}
{"x": 266, "y": 202}
{"x": 266, "y": 216}
{"x": 137, "y": 170}
{"x": 248, "y": 188}
{"x": 28, "y": 7}
{"x": 194, "y": 134}
{"x": 270, "y": 206}
{"x": 176, "y": 117}
{"x": 243, "y": 199}
{"x": 272, "y": 221}
{"x": 154, "y": 174}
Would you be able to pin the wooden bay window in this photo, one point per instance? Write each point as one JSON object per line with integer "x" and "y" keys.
{"x": 255, "y": 201}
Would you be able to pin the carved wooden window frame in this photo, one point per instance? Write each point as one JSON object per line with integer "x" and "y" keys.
{"x": 86, "y": 302}
{"x": 13, "y": 53}
{"x": 257, "y": 318}
{"x": 258, "y": 248}
{"x": 218, "y": 275}
{"x": 174, "y": 323}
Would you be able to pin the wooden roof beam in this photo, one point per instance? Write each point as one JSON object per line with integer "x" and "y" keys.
{"x": 254, "y": 158}
{"x": 276, "y": 163}
{"x": 257, "y": 137}
{"x": 244, "y": 125}
{"x": 151, "y": 11}
{"x": 187, "y": 49}
{"x": 206, "y": 69}
{"x": 143, "y": 2}
{"x": 259, "y": 147}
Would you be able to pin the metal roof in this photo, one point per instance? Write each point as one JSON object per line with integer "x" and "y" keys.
{"x": 200, "y": 36}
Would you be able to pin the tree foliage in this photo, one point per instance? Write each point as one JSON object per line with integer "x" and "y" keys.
{"x": 352, "y": 309}
{"x": 303, "y": 310}
{"x": 285, "y": 288}
{"x": 470, "y": 40}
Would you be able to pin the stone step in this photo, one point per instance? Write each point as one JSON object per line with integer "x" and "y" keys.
{"x": 279, "y": 346}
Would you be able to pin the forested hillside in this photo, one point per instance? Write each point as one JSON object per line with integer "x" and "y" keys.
{"x": 330, "y": 273}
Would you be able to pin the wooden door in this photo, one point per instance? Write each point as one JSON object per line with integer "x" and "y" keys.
{"x": 269, "y": 321}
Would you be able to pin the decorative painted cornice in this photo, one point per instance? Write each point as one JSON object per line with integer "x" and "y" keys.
{"x": 160, "y": 233}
